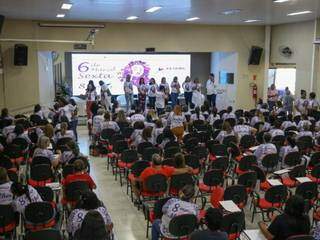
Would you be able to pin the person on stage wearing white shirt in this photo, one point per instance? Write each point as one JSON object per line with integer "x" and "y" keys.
{"x": 142, "y": 92}
{"x": 175, "y": 91}
{"x": 152, "y": 93}
{"x": 166, "y": 88}
{"x": 91, "y": 94}
{"x": 128, "y": 92}
{"x": 313, "y": 103}
{"x": 160, "y": 100}
{"x": 105, "y": 95}
{"x": 211, "y": 90}
{"x": 187, "y": 88}
{"x": 301, "y": 103}
{"x": 197, "y": 97}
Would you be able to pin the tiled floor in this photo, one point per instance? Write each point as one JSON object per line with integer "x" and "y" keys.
{"x": 129, "y": 223}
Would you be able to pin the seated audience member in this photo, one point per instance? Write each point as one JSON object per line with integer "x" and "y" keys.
{"x": 177, "y": 121}
{"x": 305, "y": 131}
{"x": 64, "y": 132}
{"x": 121, "y": 119}
{"x": 288, "y": 123}
{"x": 276, "y": 131}
{"x": 38, "y": 111}
{"x": 292, "y": 222}
{"x": 197, "y": 115}
{"x": 173, "y": 208}
{"x": 92, "y": 227}
{"x": 88, "y": 202}
{"x": 115, "y": 107}
{"x": 258, "y": 117}
{"x": 23, "y": 195}
{"x": 242, "y": 129}
{"x": 48, "y": 131}
{"x": 136, "y": 136}
{"x": 8, "y": 128}
{"x": 137, "y": 116}
{"x": 108, "y": 123}
{"x": 156, "y": 131}
{"x": 18, "y": 132}
{"x": 167, "y": 136}
{"x": 213, "y": 116}
{"x": 147, "y": 134}
{"x": 5, "y": 114}
{"x": 71, "y": 152}
{"x": 213, "y": 220}
{"x": 266, "y": 148}
{"x": 228, "y": 114}
{"x": 279, "y": 108}
{"x": 6, "y": 196}
{"x": 289, "y": 147}
{"x": 80, "y": 174}
{"x": 43, "y": 151}
{"x": 304, "y": 120}
{"x": 150, "y": 118}
{"x": 97, "y": 120}
{"x": 226, "y": 131}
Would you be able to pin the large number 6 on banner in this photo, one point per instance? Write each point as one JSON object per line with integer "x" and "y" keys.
{"x": 83, "y": 67}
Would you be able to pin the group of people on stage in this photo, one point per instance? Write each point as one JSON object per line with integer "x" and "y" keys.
{"x": 156, "y": 96}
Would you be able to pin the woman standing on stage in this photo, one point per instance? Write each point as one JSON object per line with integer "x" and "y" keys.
{"x": 91, "y": 94}
{"x": 142, "y": 91}
{"x": 175, "y": 91}
{"x": 197, "y": 97}
{"x": 152, "y": 93}
{"x": 166, "y": 89}
{"x": 187, "y": 87}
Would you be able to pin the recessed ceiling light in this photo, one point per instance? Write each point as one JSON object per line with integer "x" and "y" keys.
{"x": 298, "y": 13}
{"x": 132, "y": 18}
{"x": 192, "y": 19}
{"x": 66, "y": 6}
{"x": 231, "y": 11}
{"x": 153, "y": 9}
{"x": 280, "y": 1}
{"x": 61, "y": 15}
{"x": 252, "y": 20}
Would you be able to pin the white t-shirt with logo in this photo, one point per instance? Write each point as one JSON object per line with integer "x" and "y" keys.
{"x": 175, "y": 87}
{"x": 211, "y": 87}
{"x": 160, "y": 99}
{"x": 176, "y": 120}
{"x": 6, "y": 196}
{"x": 20, "y": 203}
{"x": 187, "y": 86}
{"x": 152, "y": 90}
{"x": 128, "y": 87}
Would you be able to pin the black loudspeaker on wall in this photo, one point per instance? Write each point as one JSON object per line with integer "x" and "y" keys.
{"x": 255, "y": 55}
{"x": 20, "y": 55}
{"x": 150, "y": 49}
{"x": 1, "y": 22}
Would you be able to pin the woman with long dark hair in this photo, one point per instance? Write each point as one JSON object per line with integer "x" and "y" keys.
{"x": 91, "y": 95}
{"x": 142, "y": 91}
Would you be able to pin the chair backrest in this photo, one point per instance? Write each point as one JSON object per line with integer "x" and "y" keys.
{"x": 5, "y": 161}
{"x": 304, "y": 143}
{"x": 74, "y": 190}
{"x": 50, "y": 234}
{"x": 218, "y": 149}
{"x": 129, "y": 156}
{"x": 35, "y": 119}
{"x": 192, "y": 160}
{"x": 246, "y": 162}
{"x": 220, "y": 163}
{"x": 149, "y": 151}
{"x": 200, "y": 151}
{"x": 204, "y": 136}
{"x": 260, "y": 173}
{"x": 191, "y": 143}
{"x": 247, "y": 141}
{"x": 46, "y": 193}
{"x": 183, "y": 225}
{"x": 301, "y": 237}
{"x": 179, "y": 181}
{"x": 229, "y": 139}
{"x": 315, "y": 159}
{"x": 248, "y": 179}
{"x": 62, "y": 142}
{"x": 107, "y": 133}
{"x": 171, "y": 144}
{"x": 213, "y": 178}
{"x": 138, "y": 167}
{"x": 297, "y": 171}
{"x": 39, "y": 213}
{"x": 126, "y": 132}
{"x": 40, "y": 160}
{"x": 307, "y": 190}
{"x": 156, "y": 183}
{"x": 279, "y": 140}
{"x": 270, "y": 161}
{"x": 68, "y": 169}
{"x": 116, "y": 137}
{"x": 316, "y": 171}
{"x": 236, "y": 193}
{"x": 292, "y": 159}
{"x": 41, "y": 172}
{"x": 21, "y": 143}
{"x": 143, "y": 146}
{"x": 171, "y": 151}
{"x": 120, "y": 146}
{"x": 276, "y": 194}
{"x": 7, "y": 218}
{"x": 233, "y": 223}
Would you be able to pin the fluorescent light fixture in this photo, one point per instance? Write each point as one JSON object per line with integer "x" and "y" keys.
{"x": 231, "y": 11}
{"x": 252, "y": 20}
{"x": 280, "y": 1}
{"x": 66, "y": 6}
{"x": 132, "y": 18}
{"x": 153, "y": 9}
{"x": 299, "y": 13}
{"x": 192, "y": 19}
{"x": 61, "y": 15}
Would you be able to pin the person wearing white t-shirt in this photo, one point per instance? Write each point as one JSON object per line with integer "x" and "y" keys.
{"x": 142, "y": 92}
{"x": 105, "y": 95}
{"x": 152, "y": 88}
{"x": 175, "y": 91}
{"x": 313, "y": 103}
{"x": 91, "y": 95}
{"x": 197, "y": 97}
{"x": 187, "y": 88}
{"x": 166, "y": 88}
{"x": 160, "y": 100}
{"x": 108, "y": 124}
{"x": 128, "y": 92}
{"x": 301, "y": 103}
{"x": 177, "y": 121}
{"x": 6, "y": 196}
{"x": 211, "y": 90}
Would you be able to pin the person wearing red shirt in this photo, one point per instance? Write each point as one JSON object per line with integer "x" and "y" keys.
{"x": 79, "y": 175}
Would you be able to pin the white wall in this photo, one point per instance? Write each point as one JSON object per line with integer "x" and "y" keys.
{"x": 46, "y": 81}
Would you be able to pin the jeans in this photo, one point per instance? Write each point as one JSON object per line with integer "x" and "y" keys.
{"x": 129, "y": 101}
{"x": 212, "y": 100}
{"x": 188, "y": 98}
{"x": 271, "y": 104}
{"x": 152, "y": 102}
{"x": 160, "y": 111}
{"x": 73, "y": 127}
{"x": 174, "y": 99}
{"x": 155, "y": 230}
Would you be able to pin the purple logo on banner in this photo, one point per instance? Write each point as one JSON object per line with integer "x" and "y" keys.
{"x": 83, "y": 67}
{"x": 137, "y": 70}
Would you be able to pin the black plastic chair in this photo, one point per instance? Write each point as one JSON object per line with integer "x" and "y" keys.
{"x": 270, "y": 161}
{"x": 221, "y": 163}
{"x": 292, "y": 159}
{"x": 136, "y": 169}
{"x": 305, "y": 143}
{"x": 177, "y": 182}
{"x": 149, "y": 151}
{"x": 74, "y": 190}
{"x": 126, "y": 132}
{"x": 128, "y": 157}
{"x": 192, "y": 160}
{"x": 217, "y": 124}
{"x": 183, "y": 225}
{"x": 247, "y": 141}
{"x": 35, "y": 119}
{"x": 106, "y": 134}
{"x": 40, "y": 160}
{"x": 68, "y": 169}
{"x": 40, "y": 174}
{"x": 314, "y": 160}
{"x": 229, "y": 139}
{"x": 249, "y": 180}
{"x": 142, "y": 146}
{"x": 308, "y": 191}
{"x": 46, "y": 193}
{"x": 156, "y": 185}
{"x": 39, "y": 215}
{"x": 190, "y": 143}
{"x": 50, "y": 234}
{"x": 233, "y": 224}
{"x": 236, "y": 193}
{"x": 8, "y": 221}
{"x": 218, "y": 149}
{"x": 246, "y": 163}
{"x": 171, "y": 151}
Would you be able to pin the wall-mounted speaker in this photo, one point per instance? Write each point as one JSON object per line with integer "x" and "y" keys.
{"x": 1, "y": 22}
{"x": 255, "y": 55}
{"x": 20, "y": 55}
{"x": 150, "y": 49}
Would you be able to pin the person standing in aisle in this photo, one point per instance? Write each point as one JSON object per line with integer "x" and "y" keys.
{"x": 288, "y": 101}
{"x": 272, "y": 97}
{"x": 175, "y": 91}
{"x": 187, "y": 88}
{"x": 211, "y": 90}
{"x": 128, "y": 92}
{"x": 105, "y": 95}
{"x": 91, "y": 95}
